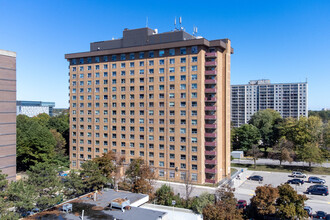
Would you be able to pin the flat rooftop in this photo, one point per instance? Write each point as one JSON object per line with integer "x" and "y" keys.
{"x": 99, "y": 209}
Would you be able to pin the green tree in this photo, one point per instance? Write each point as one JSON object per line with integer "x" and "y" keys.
{"x": 264, "y": 201}
{"x": 74, "y": 185}
{"x": 324, "y": 115}
{"x": 42, "y": 119}
{"x": 267, "y": 121}
{"x": 92, "y": 176}
{"x": 201, "y": 201}
{"x": 61, "y": 124}
{"x": 35, "y": 143}
{"x": 244, "y": 137}
{"x": 3, "y": 182}
{"x": 164, "y": 195}
{"x": 290, "y": 205}
{"x": 310, "y": 153}
{"x": 22, "y": 195}
{"x": 282, "y": 151}
{"x": 43, "y": 177}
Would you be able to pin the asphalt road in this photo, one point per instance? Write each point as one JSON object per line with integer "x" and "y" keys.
{"x": 264, "y": 161}
{"x": 246, "y": 188}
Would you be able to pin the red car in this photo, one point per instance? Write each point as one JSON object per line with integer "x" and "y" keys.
{"x": 241, "y": 204}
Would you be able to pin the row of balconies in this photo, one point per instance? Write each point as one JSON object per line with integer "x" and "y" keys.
{"x": 210, "y": 152}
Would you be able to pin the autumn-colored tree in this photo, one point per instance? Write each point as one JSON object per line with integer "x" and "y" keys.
{"x": 110, "y": 165}
{"x": 140, "y": 176}
{"x": 225, "y": 206}
{"x": 282, "y": 151}
{"x": 255, "y": 153}
{"x": 264, "y": 201}
{"x": 290, "y": 204}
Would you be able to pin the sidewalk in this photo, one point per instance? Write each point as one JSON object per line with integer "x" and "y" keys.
{"x": 264, "y": 161}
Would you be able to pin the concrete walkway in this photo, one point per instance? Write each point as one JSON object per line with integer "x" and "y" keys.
{"x": 264, "y": 161}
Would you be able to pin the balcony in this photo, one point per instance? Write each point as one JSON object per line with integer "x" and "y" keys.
{"x": 209, "y": 181}
{"x": 210, "y": 63}
{"x": 210, "y": 108}
{"x": 210, "y": 90}
{"x": 212, "y": 117}
{"x": 211, "y": 153}
{"x": 210, "y": 170}
{"x": 212, "y": 162}
{"x": 211, "y": 99}
{"x": 211, "y": 135}
{"x": 211, "y": 144}
{"x": 210, "y": 81}
{"x": 210, "y": 125}
{"x": 209, "y": 55}
{"x": 210, "y": 72}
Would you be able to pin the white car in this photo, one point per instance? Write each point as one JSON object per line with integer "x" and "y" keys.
{"x": 298, "y": 174}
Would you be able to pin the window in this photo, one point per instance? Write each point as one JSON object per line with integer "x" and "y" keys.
{"x": 161, "y": 70}
{"x": 131, "y": 64}
{"x": 172, "y": 69}
{"x": 172, "y": 52}
{"x": 141, "y": 55}
{"x": 194, "y": 122}
{"x": 151, "y": 62}
{"x": 194, "y": 49}
{"x": 183, "y": 60}
{"x": 183, "y": 50}
{"x": 194, "y": 77}
{"x": 161, "y": 53}
{"x": 182, "y": 86}
{"x": 194, "y": 59}
{"x": 172, "y": 78}
{"x": 183, "y": 77}
{"x": 172, "y": 96}
{"x": 194, "y": 176}
{"x": 183, "y": 69}
{"x": 193, "y": 140}
{"x": 122, "y": 57}
{"x": 194, "y": 95}
{"x": 172, "y": 61}
{"x": 194, "y": 149}
{"x": 113, "y": 57}
{"x": 161, "y": 62}
{"x": 194, "y": 68}
{"x": 151, "y": 54}
{"x": 132, "y": 56}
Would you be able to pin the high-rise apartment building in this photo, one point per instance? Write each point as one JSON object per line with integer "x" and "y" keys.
{"x": 289, "y": 99}
{"x": 8, "y": 113}
{"x": 163, "y": 97}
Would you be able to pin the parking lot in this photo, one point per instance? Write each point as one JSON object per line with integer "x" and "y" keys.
{"x": 247, "y": 187}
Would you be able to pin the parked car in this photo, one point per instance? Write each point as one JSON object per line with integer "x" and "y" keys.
{"x": 241, "y": 204}
{"x": 298, "y": 174}
{"x": 327, "y": 217}
{"x": 314, "y": 179}
{"x": 309, "y": 210}
{"x": 318, "y": 186}
{"x": 296, "y": 181}
{"x": 256, "y": 178}
{"x": 318, "y": 191}
{"x": 320, "y": 215}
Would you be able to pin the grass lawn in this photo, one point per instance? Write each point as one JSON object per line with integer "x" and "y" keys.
{"x": 285, "y": 169}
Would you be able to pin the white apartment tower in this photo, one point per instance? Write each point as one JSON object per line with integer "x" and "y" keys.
{"x": 289, "y": 99}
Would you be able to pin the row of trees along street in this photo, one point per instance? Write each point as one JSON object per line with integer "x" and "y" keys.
{"x": 269, "y": 135}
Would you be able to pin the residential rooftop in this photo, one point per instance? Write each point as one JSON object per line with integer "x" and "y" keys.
{"x": 100, "y": 209}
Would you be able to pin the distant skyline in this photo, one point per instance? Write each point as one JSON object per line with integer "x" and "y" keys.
{"x": 284, "y": 41}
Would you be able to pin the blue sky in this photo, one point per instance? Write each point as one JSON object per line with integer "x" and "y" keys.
{"x": 284, "y": 41}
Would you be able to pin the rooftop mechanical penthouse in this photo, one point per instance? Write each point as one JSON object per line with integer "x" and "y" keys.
{"x": 164, "y": 97}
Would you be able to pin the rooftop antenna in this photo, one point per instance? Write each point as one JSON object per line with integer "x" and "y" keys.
{"x": 180, "y": 21}
{"x": 195, "y": 31}
{"x": 175, "y": 24}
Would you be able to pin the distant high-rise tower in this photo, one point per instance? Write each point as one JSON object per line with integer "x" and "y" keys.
{"x": 289, "y": 99}
{"x": 164, "y": 97}
{"x": 8, "y": 113}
